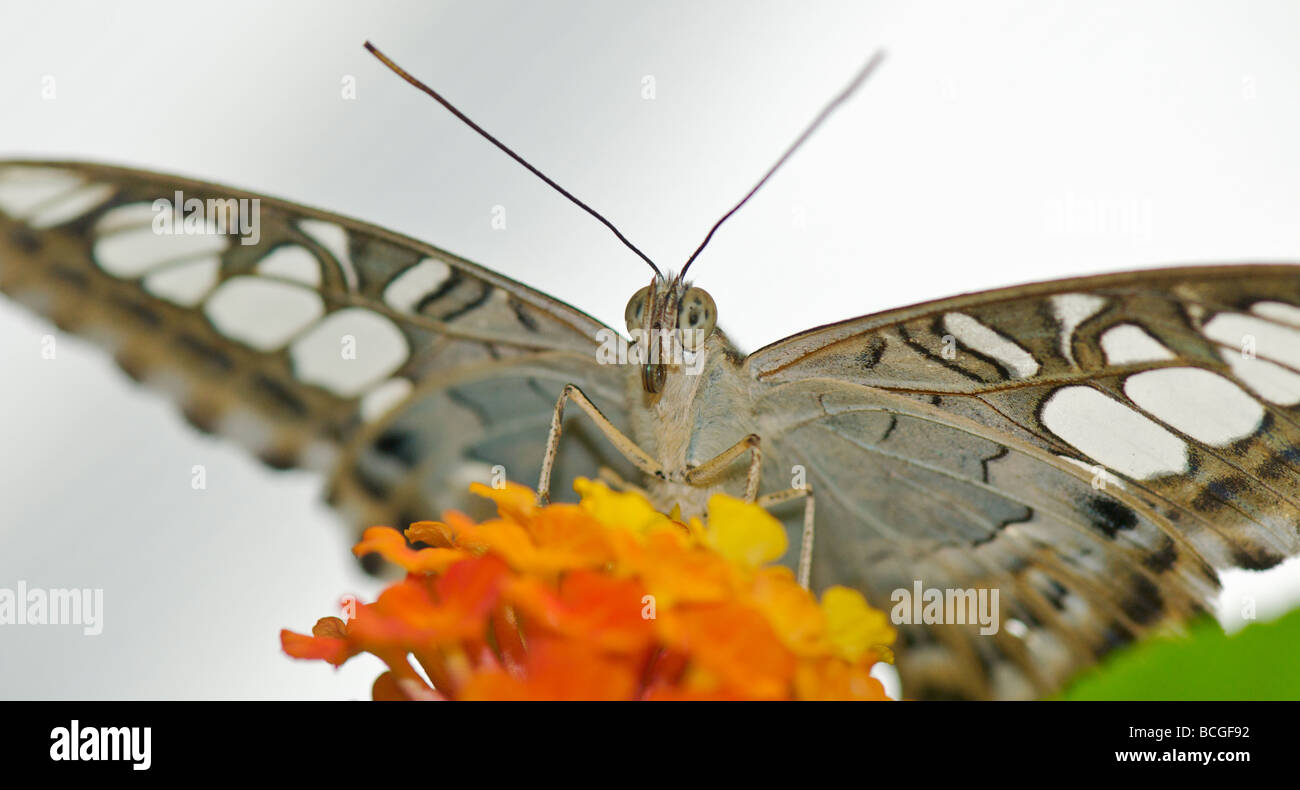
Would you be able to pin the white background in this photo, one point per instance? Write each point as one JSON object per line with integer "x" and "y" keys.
{"x": 1000, "y": 143}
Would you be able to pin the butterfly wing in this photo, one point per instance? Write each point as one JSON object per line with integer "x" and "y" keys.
{"x": 1094, "y": 449}
{"x": 315, "y": 340}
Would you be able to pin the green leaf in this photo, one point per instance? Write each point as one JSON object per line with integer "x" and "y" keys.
{"x": 1260, "y": 662}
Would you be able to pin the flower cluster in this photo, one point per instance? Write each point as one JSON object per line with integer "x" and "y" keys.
{"x": 607, "y": 599}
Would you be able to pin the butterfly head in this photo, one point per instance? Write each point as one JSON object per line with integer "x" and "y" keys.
{"x": 668, "y": 319}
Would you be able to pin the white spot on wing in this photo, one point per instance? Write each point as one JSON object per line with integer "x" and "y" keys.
{"x": 291, "y": 262}
{"x": 130, "y": 253}
{"x": 170, "y": 383}
{"x": 1051, "y": 655}
{"x": 247, "y": 428}
{"x": 1010, "y": 683}
{"x": 1278, "y": 311}
{"x": 1128, "y": 343}
{"x": 380, "y": 348}
{"x": 383, "y": 397}
{"x": 1072, "y": 310}
{"x": 1201, "y": 404}
{"x": 984, "y": 340}
{"x": 408, "y": 288}
{"x": 333, "y": 238}
{"x": 184, "y": 284}
{"x": 131, "y": 215}
{"x": 318, "y": 455}
{"x": 1273, "y": 383}
{"x": 70, "y": 206}
{"x": 1271, "y": 341}
{"x": 24, "y": 189}
{"x": 260, "y": 313}
{"x": 1112, "y": 434}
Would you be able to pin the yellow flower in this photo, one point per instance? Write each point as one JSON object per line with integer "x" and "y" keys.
{"x": 627, "y": 510}
{"x": 852, "y": 626}
{"x": 743, "y": 532}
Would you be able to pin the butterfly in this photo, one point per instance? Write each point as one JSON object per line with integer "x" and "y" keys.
{"x": 1096, "y": 449}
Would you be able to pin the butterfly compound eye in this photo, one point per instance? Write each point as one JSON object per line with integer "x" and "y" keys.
{"x": 635, "y": 311}
{"x": 696, "y": 317}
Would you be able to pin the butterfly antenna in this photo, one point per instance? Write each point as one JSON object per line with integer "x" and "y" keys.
{"x": 399, "y": 71}
{"x": 843, "y": 95}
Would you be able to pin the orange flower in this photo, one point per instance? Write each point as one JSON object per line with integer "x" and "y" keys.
{"x": 328, "y": 642}
{"x": 558, "y": 669}
{"x": 594, "y": 608}
{"x": 735, "y": 650}
{"x": 794, "y": 614}
{"x": 676, "y": 569}
{"x": 828, "y": 679}
{"x": 607, "y": 599}
{"x": 389, "y": 544}
{"x": 433, "y": 610}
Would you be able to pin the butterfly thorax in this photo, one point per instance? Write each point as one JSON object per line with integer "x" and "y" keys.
{"x": 702, "y": 408}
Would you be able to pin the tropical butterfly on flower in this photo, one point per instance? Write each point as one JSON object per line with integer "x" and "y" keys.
{"x": 1097, "y": 449}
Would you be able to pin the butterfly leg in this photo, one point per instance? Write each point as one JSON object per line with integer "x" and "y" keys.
{"x": 713, "y": 468}
{"x": 615, "y": 481}
{"x": 769, "y": 501}
{"x": 640, "y": 458}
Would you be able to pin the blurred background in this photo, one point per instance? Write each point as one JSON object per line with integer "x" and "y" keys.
{"x": 1000, "y": 143}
